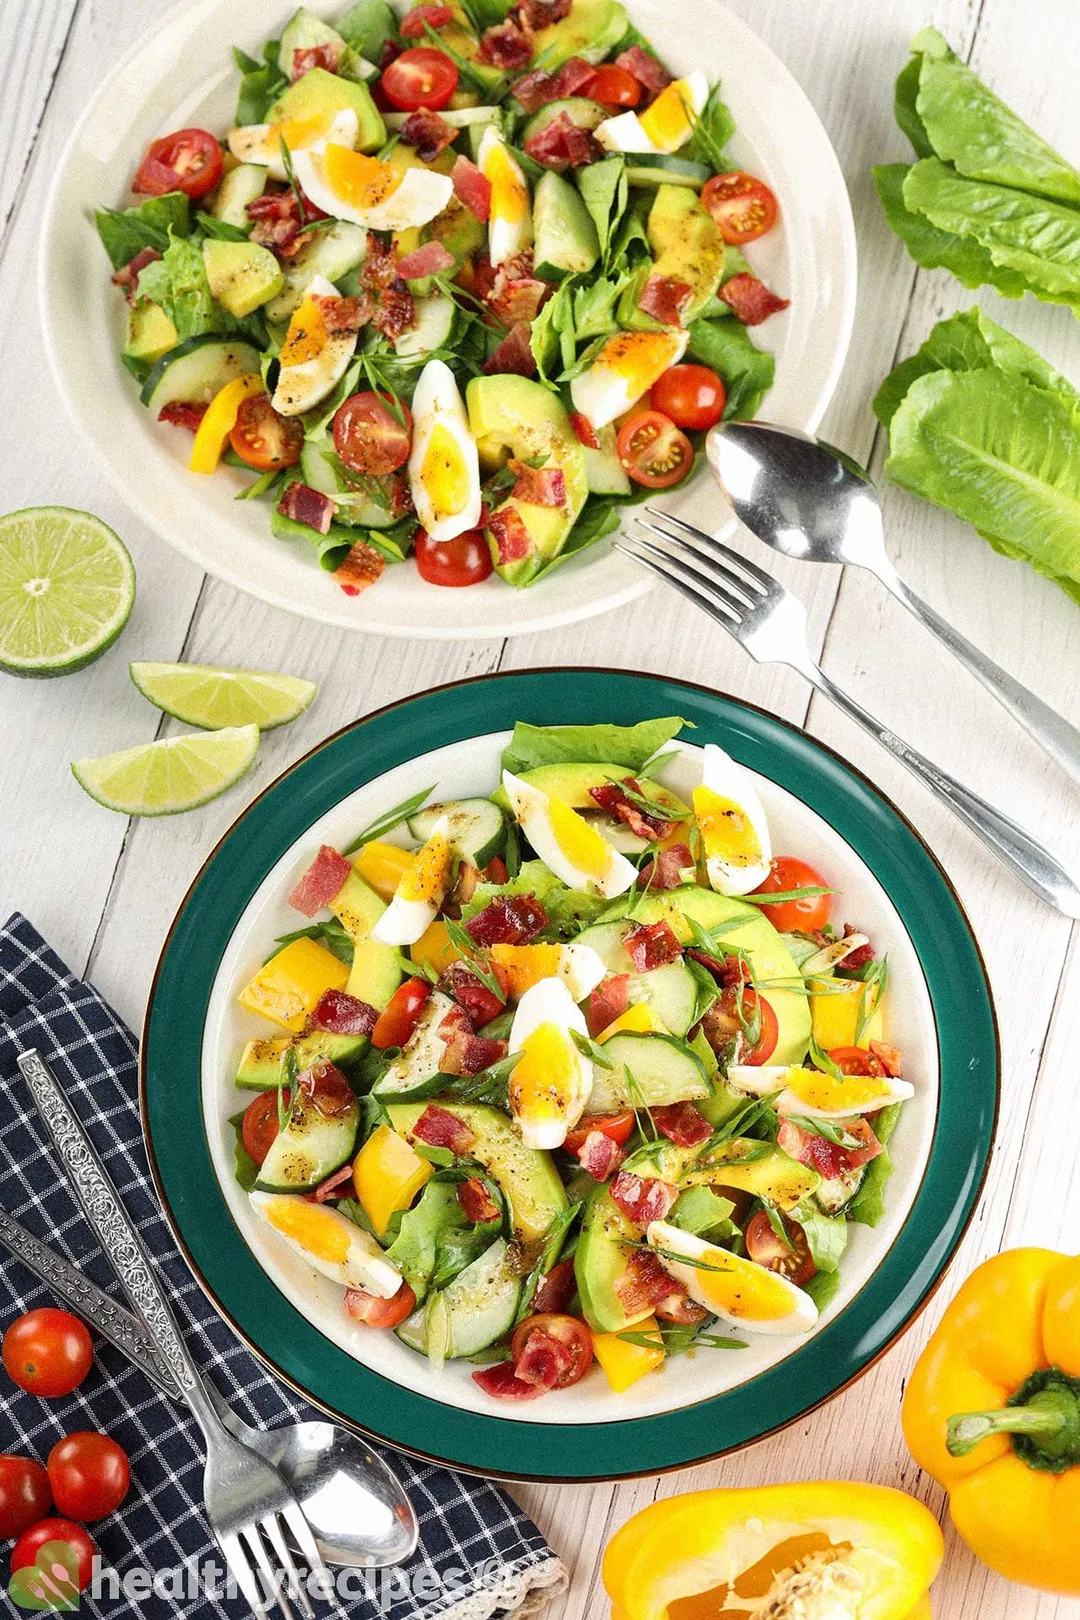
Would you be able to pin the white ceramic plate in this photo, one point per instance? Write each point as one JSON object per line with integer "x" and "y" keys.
{"x": 472, "y": 768}
{"x": 183, "y": 75}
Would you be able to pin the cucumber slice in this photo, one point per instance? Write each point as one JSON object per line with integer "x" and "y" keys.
{"x": 670, "y": 991}
{"x": 662, "y": 169}
{"x": 239, "y": 187}
{"x": 415, "y": 1072}
{"x": 434, "y": 318}
{"x": 477, "y": 828}
{"x": 565, "y": 239}
{"x": 309, "y": 1147}
{"x": 320, "y": 465}
{"x": 606, "y": 475}
{"x": 836, "y": 1192}
{"x": 194, "y": 371}
{"x": 332, "y": 253}
{"x": 304, "y": 31}
{"x": 262, "y": 1063}
{"x": 456, "y": 117}
{"x": 479, "y": 1305}
{"x": 580, "y": 111}
{"x": 663, "y": 1071}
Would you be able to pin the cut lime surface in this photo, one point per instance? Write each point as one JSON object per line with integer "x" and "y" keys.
{"x": 67, "y": 585}
{"x": 173, "y": 774}
{"x": 201, "y": 695}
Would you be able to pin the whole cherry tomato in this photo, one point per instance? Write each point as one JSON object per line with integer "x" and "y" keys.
{"x": 693, "y": 396}
{"x": 89, "y": 1474}
{"x": 789, "y": 916}
{"x": 25, "y": 1494}
{"x": 25, "y": 1551}
{"x": 613, "y": 86}
{"x": 48, "y": 1352}
{"x": 465, "y": 560}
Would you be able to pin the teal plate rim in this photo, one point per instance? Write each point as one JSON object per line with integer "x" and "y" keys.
{"x": 170, "y": 1059}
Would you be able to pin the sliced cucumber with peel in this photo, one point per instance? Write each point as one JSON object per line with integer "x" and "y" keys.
{"x": 474, "y": 1311}
{"x": 580, "y": 110}
{"x": 195, "y": 371}
{"x": 477, "y": 828}
{"x": 652, "y": 1069}
{"x": 319, "y": 465}
{"x": 456, "y": 117}
{"x": 670, "y": 991}
{"x": 414, "y": 1073}
{"x": 662, "y": 169}
{"x": 434, "y": 322}
{"x": 309, "y": 1147}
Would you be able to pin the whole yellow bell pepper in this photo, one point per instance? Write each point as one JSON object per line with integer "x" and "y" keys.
{"x": 826, "y": 1547}
{"x": 992, "y": 1411}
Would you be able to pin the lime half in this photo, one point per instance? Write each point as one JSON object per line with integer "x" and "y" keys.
{"x": 201, "y": 695}
{"x": 173, "y": 774}
{"x": 67, "y": 585}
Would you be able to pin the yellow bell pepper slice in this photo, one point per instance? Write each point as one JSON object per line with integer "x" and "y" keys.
{"x": 623, "y": 1362}
{"x": 835, "y": 1013}
{"x": 220, "y": 419}
{"x": 435, "y": 949}
{"x": 636, "y": 1020}
{"x": 286, "y": 988}
{"x": 383, "y": 866}
{"x": 387, "y": 1175}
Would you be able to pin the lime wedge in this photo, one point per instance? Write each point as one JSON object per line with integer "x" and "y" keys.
{"x": 201, "y": 695}
{"x": 67, "y": 585}
{"x": 173, "y": 774}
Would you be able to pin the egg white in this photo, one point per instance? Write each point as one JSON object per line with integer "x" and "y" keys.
{"x": 532, "y": 807}
{"x": 417, "y": 194}
{"x": 627, "y": 133}
{"x": 365, "y": 1265}
{"x": 407, "y": 917}
{"x": 301, "y": 386}
{"x": 261, "y": 143}
{"x": 507, "y": 235}
{"x": 724, "y": 777}
{"x": 767, "y": 1078}
{"x": 694, "y": 1279}
{"x": 437, "y": 403}
{"x": 625, "y": 369}
{"x": 550, "y": 1002}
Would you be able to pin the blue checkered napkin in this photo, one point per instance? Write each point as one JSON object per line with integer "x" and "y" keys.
{"x": 478, "y": 1552}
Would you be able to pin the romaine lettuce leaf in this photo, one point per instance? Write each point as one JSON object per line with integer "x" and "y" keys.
{"x": 177, "y": 282}
{"x": 604, "y": 192}
{"x": 729, "y": 349}
{"x": 260, "y": 83}
{"x": 631, "y": 746}
{"x": 906, "y": 108}
{"x": 126, "y": 231}
{"x": 868, "y": 1205}
{"x": 935, "y": 249}
{"x": 366, "y": 26}
{"x": 826, "y": 1235}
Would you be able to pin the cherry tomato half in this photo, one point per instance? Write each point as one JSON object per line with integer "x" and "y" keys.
{"x": 264, "y": 439}
{"x": 189, "y": 160}
{"x": 723, "y": 1024}
{"x": 855, "y": 1060}
{"x": 653, "y": 450}
{"x": 380, "y": 1313}
{"x": 613, "y": 86}
{"x": 743, "y": 208}
{"x": 260, "y": 1125}
{"x": 693, "y": 396}
{"x": 89, "y": 1474}
{"x": 25, "y": 1551}
{"x": 616, "y": 1127}
{"x": 48, "y": 1352}
{"x": 25, "y": 1494}
{"x": 792, "y": 1259}
{"x": 372, "y": 434}
{"x": 787, "y": 872}
{"x": 420, "y": 77}
{"x": 465, "y": 560}
{"x": 402, "y": 1013}
{"x": 569, "y": 1331}
{"x": 555, "y": 1289}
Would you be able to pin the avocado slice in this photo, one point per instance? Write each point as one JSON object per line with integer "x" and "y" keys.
{"x": 522, "y": 417}
{"x": 775, "y": 1177}
{"x": 591, "y": 29}
{"x": 261, "y": 1066}
{"x": 529, "y": 1180}
{"x": 599, "y": 1262}
{"x": 150, "y": 332}
{"x": 686, "y": 244}
{"x": 238, "y": 188}
{"x": 376, "y": 969}
{"x": 322, "y": 92}
{"x": 242, "y": 275}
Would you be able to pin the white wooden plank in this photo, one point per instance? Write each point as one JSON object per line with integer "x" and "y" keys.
{"x": 32, "y": 38}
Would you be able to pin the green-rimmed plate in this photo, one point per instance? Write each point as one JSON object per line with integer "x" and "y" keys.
{"x": 700, "y": 1406}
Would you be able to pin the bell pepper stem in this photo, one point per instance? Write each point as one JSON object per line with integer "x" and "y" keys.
{"x": 1043, "y": 1418}
{"x": 969, "y": 1429}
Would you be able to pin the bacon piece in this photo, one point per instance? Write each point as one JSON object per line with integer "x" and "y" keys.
{"x": 643, "y": 1199}
{"x": 505, "y": 46}
{"x": 128, "y": 275}
{"x": 476, "y": 1202}
{"x": 461, "y": 983}
{"x": 333, "y": 1187}
{"x": 681, "y": 1123}
{"x": 429, "y": 133}
{"x": 750, "y": 299}
{"x": 341, "y": 1014}
{"x": 828, "y": 1158}
{"x": 343, "y": 317}
{"x": 464, "y": 1052}
{"x": 645, "y": 68}
{"x": 511, "y": 535}
{"x": 322, "y": 880}
{"x": 416, "y": 22}
{"x": 728, "y": 971}
{"x": 859, "y": 957}
{"x": 395, "y": 314}
{"x": 890, "y": 1057}
{"x": 327, "y": 1087}
{"x": 181, "y": 413}
{"x": 389, "y": 53}
{"x": 652, "y": 945}
{"x": 562, "y": 145}
{"x": 510, "y": 919}
{"x": 277, "y": 222}
{"x": 607, "y": 1002}
{"x": 538, "y": 486}
{"x": 537, "y": 89}
{"x": 359, "y": 568}
{"x": 666, "y": 869}
{"x": 430, "y": 260}
{"x": 644, "y": 1284}
{"x": 614, "y": 798}
{"x": 440, "y": 1128}
{"x": 665, "y": 298}
{"x": 600, "y": 1156}
{"x": 513, "y": 356}
{"x": 326, "y": 55}
{"x": 471, "y": 188}
{"x": 518, "y": 298}
{"x": 544, "y": 1360}
{"x": 536, "y": 14}
{"x": 308, "y": 506}
{"x": 534, "y": 91}
{"x": 379, "y": 268}
{"x": 585, "y": 431}
{"x": 554, "y": 1290}
{"x": 503, "y": 1383}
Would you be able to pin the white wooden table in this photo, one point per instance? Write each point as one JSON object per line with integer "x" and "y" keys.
{"x": 103, "y": 891}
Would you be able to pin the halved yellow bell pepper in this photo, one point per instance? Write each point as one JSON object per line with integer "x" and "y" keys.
{"x": 219, "y": 420}
{"x": 286, "y": 988}
{"x": 624, "y": 1362}
{"x": 992, "y": 1411}
{"x": 435, "y": 949}
{"x": 830, "y": 1546}
{"x": 383, "y": 866}
{"x": 387, "y": 1175}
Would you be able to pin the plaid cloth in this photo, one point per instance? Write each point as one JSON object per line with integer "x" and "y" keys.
{"x": 478, "y": 1552}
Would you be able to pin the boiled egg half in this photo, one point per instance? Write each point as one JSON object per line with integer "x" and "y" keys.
{"x": 510, "y": 228}
{"x": 737, "y": 1290}
{"x": 364, "y": 190}
{"x": 567, "y": 843}
{"x": 313, "y": 359}
{"x": 521, "y": 966}
{"x": 261, "y": 143}
{"x": 625, "y": 368}
{"x": 814, "y": 1095}
{"x": 444, "y": 469}
{"x": 664, "y": 126}
{"x": 420, "y": 892}
{"x": 551, "y": 1082}
{"x": 734, "y": 831}
{"x": 337, "y": 1247}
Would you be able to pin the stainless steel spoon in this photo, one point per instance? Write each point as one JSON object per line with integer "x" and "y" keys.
{"x": 807, "y": 500}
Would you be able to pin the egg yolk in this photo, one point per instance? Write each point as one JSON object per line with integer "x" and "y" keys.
{"x": 316, "y": 1230}
{"x": 509, "y": 195}
{"x": 821, "y": 1091}
{"x": 726, "y": 829}
{"x": 297, "y": 132}
{"x": 546, "y": 1075}
{"x": 354, "y": 178}
{"x": 638, "y": 358}
{"x": 307, "y": 335}
{"x": 443, "y": 473}
{"x": 522, "y": 966}
{"x": 666, "y": 122}
{"x": 581, "y": 844}
{"x": 427, "y": 877}
{"x": 741, "y": 1289}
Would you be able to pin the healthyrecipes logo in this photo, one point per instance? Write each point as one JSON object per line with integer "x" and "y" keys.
{"x": 51, "y": 1582}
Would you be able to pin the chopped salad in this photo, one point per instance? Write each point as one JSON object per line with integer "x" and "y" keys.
{"x": 577, "y": 1072}
{"x": 455, "y": 286}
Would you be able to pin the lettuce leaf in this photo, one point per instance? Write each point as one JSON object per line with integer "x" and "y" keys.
{"x": 569, "y": 910}
{"x": 868, "y": 1205}
{"x": 936, "y": 249}
{"x": 631, "y": 746}
{"x": 366, "y": 26}
{"x": 126, "y": 231}
{"x": 177, "y": 282}
{"x": 260, "y": 83}
{"x": 826, "y": 1235}
{"x": 747, "y": 371}
{"x": 604, "y": 192}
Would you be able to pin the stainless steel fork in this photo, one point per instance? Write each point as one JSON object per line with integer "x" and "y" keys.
{"x": 246, "y": 1498}
{"x": 770, "y": 623}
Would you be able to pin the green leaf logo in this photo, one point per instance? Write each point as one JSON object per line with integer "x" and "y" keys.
{"x": 51, "y": 1582}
